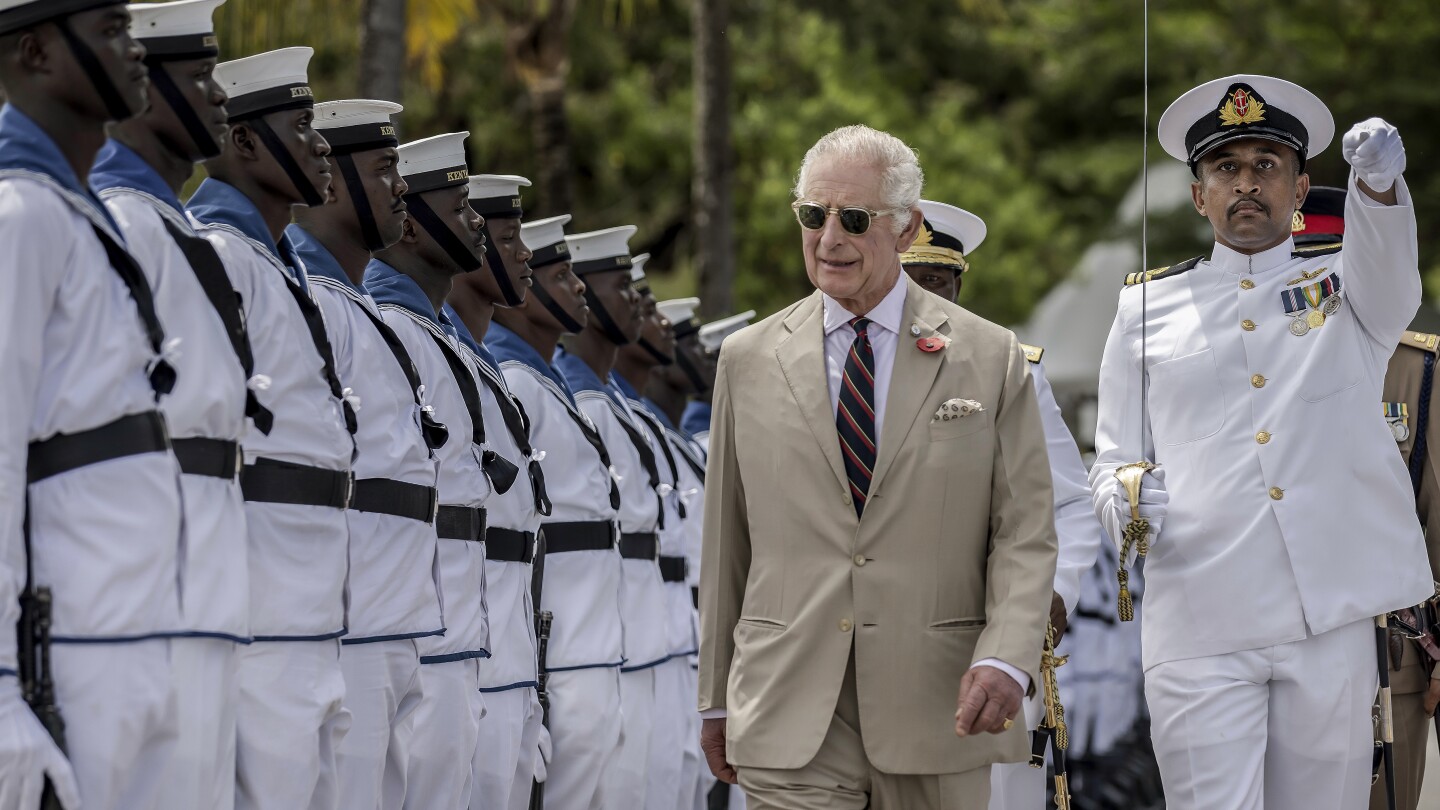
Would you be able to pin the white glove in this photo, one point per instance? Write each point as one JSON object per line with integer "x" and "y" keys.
{"x": 1154, "y": 501}
{"x": 1373, "y": 148}
{"x": 542, "y": 756}
{"x": 28, "y": 755}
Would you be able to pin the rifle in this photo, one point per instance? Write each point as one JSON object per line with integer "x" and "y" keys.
{"x": 37, "y": 684}
{"x": 543, "y": 620}
{"x": 1387, "y": 712}
{"x": 1052, "y": 729}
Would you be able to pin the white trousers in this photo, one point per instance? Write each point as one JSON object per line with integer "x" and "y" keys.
{"x": 383, "y": 691}
{"x": 623, "y": 785}
{"x": 202, "y": 772}
{"x": 289, "y": 722}
{"x": 118, "y": 704}
{"x": 672, "y": 774}
{"x": 504, "y": 766}
{"x": 585, "y": 720}
{"x": 1279, "y": 728}
{"x": 447, "y": 728}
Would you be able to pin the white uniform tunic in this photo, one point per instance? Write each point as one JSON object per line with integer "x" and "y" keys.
{"x": 1290, "y": 511}
{"x": 208, "y": 400}
{"x": 298, "y": 554}
{"x": 394, "y": 588}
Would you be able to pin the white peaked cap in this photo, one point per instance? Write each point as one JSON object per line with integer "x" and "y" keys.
{"x": 487, "y": 186}
{"x": 637, "y": 267}
{"x": 354, "y": 112}
{"x": 605, "y": 244}
{"x": 1205, "y": 109}
{"x": 678, "y": 310}
{"x": 433, "y": 154}
{"x": 714, "y": 333}
{"x": 264, "y": 71}
{"x": 543, "y": 233}
{"x": 176, "y": 19}
{"x": 957, "y": 223}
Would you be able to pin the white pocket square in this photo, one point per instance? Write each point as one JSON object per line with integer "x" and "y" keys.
{"x": 957, "y": 409}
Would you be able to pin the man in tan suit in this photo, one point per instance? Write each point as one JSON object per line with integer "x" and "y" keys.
{"x": 879, "y": 532}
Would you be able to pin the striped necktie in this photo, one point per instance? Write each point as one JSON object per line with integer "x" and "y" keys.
{"x": 855, "y": 418}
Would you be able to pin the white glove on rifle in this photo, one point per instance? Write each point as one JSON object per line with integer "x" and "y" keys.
{"x": 28, "y": 755}
{"x": 1373, "y": 148}
{"x": 542, "y": 752}
{"x": 1154, "y": 501}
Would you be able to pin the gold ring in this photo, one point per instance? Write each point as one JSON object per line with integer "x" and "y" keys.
{"x": 1009, "y": 724}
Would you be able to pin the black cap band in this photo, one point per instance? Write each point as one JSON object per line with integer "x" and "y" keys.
{"x": 552, "y": 254}
{"x": 423, "y": 182}
{"x": 360, "y": 138}
{"x": 181, "y": 48}
{"x": 274, "y": 99}
{"x": 498, "y": 207}
{"x": 1244, "y": 114}
{"x": 44, "y": 10}
{"x": 601, "y": 265}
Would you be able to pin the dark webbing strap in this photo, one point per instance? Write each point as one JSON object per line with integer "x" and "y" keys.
{"x": 518, "y": 426}
{"x": 397, "y": 498}
{"x": 509, "y": 545}
{"x": 1422, "y": 443}
{"x": 126, "y": 436}
{"x": 647, "y": 459}
{"x": 162, "y": 374}
{"x": 578, "y": 536}
{"x": 461, "y": 523}
{"x": 436, "y": 434}
{"x": 315, "y": 323}
{"x": 303, "y": 184}
{"x": 216, "y": 458}
{"x": 271, "y": 481}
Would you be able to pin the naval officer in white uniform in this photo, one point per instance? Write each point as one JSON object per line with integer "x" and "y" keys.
{"x": 1281, "y": 516}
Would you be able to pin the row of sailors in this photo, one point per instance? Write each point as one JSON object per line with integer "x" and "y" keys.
{"x": 288, "y": 457}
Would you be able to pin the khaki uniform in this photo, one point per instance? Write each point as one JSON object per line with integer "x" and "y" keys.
{"x": 1404, "y": 382}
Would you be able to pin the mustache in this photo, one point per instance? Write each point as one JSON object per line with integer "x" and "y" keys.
{"x": 1233, "y": 206}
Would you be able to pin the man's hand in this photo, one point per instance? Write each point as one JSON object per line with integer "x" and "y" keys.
{"x": 1373, "y": 148}
{"x": 1154, "y": 503}
{"x": 1432, "y": 695}
{"x": 1058, "y": 617}
{"x": 988, "y": 697}
{"x": 28, "y": 756}
{"x": 712, "y": 743}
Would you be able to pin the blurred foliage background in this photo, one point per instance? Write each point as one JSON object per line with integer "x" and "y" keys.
{"x": 1027, "y": 112}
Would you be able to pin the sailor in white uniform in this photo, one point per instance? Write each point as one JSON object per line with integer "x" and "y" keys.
{"x": 1281, "y": 517}
{"x": 395, "y": 593}
{"x": 296, "y": 480}
{"x": 602, "y": 260}
{"x": 139, "y": 175}
{"x": 409, "y": 282}
{"x": 513, "y": 740}
{"x": 89, "y": 499}
{"x": 582, "y": 581}
{"x": 938, "y": 261}
{"x": 696, "y": 421}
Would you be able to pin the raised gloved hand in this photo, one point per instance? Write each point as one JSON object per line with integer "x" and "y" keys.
{"x": 1154, "y": 501}
{"x": 28, "y": 756}
{"x": 1374, "y": 149}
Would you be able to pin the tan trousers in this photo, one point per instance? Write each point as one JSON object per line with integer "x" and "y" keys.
{"x": 840, "y": 777}
{"x": 1412, "y": 733}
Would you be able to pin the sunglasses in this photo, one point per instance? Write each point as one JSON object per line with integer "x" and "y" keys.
{"x": 855, "y": 221}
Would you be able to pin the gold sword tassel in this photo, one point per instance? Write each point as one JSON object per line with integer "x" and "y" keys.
{"x": 1136, "y": 533}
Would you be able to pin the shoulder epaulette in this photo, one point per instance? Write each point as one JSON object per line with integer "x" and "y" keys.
{"x": 1311, "y": 251}
{"x": 1161, "y": 272}
{"x": 1423, "y": 341}
{"x": 1032, "y": 353}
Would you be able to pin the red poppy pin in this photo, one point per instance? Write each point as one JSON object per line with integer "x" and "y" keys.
{"x": 931, "y": 344}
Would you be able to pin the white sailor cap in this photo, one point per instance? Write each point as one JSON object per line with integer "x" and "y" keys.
{"x": 267, "y": 82}
{"x": 680, "y": 312}
{"x": 598, "y": 251}
{"x": 714, "y": 333}
{"x": 1245, "y": 106}
{"x": 545, "y": 239}
{"x": 497, "y": 196}
{"x": 357, "y": 124}
{"x": 946, "y": 236}
{"x": 637, "y": 269}
{"x": 176, "y": 31}
{"x": 435, "y": 163}
{"x": 17, "y": 14}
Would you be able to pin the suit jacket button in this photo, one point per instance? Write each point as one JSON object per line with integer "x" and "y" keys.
{"x": 845, "y": 625}
{"x": 860, "y": 559}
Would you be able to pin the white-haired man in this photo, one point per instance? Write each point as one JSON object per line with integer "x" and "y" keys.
{"x": 878, "y": 531}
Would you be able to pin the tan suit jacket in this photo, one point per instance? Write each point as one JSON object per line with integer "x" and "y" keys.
{"x": 953, "y": 561}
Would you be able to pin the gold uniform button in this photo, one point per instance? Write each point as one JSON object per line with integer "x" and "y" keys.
{"x": 1257, "y": 380}
{"x": 1247, "y": 284}
{"x": 845, "y": 625}
{"x": 860, "y": 559}
{"x": 1248, "y": 325}
{"x": 1277, "y": 494}
{"x": 1263, "y": 437}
